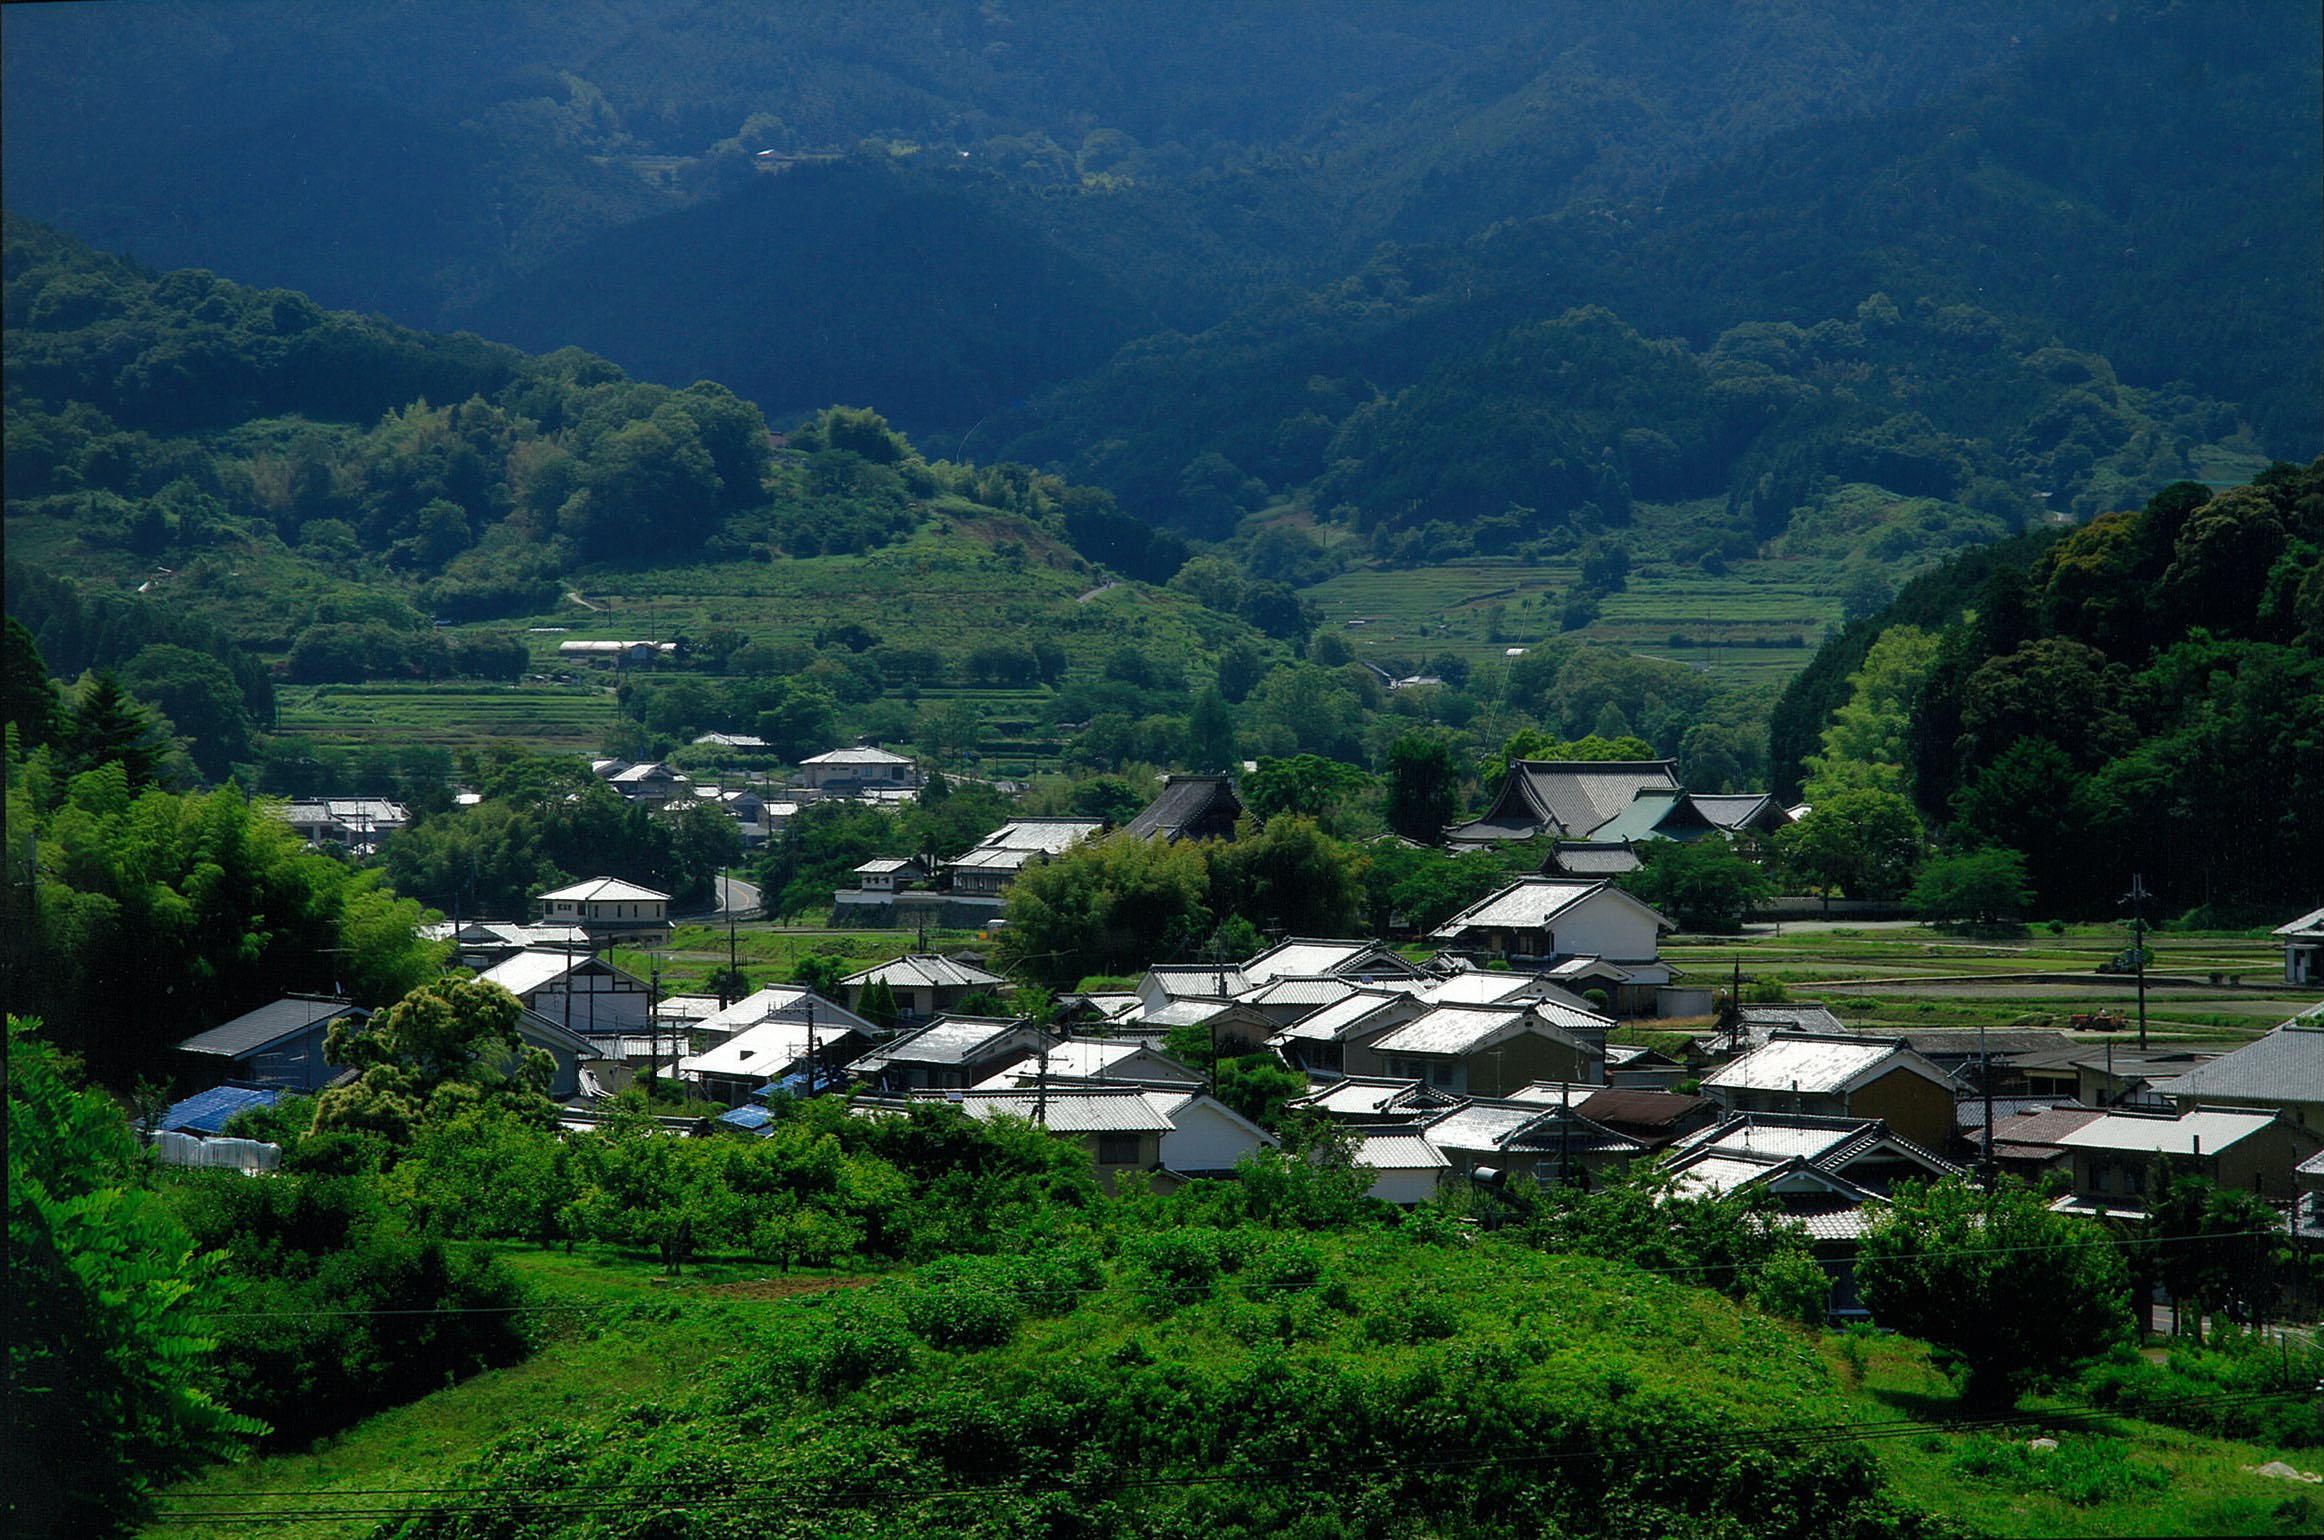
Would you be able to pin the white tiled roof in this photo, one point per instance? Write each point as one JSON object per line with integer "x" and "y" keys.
{"x": 607, "y": 890}
{"x": 946, "y": 1040}
{"x": 1525, "y": 905}
{"x": 1450, "y": 1029}
{"x": 1334, "y": 1021}
{"x": 767, "y": 1049}
{"x": 1293, "y": 990}
{"x": 857, "y": 756}
{"x": 1302, "y": 957}
{"x": 1076, "y": 1110}
{"x": 925, "y": 971}
{"x": 1393, "y": 1151}
{"x": 528, "y": 971}
{"x": 1810, "y": 1065}
{"x": 2214, "y": 1128}
{"x": 1045, "y": 835}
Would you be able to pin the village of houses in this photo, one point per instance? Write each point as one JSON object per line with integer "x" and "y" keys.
{"x": 1480, "y": 1051}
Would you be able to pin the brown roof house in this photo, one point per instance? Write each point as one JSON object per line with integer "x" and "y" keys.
{"x": 2122, "y": 1159}
{"x": 2281, "y": 1072}
{"x": 1484, "y": 1050}
{"x": 1840, "y": 1075}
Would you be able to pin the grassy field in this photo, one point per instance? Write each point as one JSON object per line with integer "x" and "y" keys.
{"x": 1913, "y": 976}
{"x": 769, "y": 954}
{"x": 615, "y": 1333}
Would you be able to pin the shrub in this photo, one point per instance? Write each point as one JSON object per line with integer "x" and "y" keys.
{"x": 2080, "y": 1470}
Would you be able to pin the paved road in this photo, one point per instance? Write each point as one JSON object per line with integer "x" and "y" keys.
{"x": 735, "y": 894}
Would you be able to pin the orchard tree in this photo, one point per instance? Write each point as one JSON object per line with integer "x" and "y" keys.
{"x": 2015, "y": 1294}
{"x": 448, "y": 1046}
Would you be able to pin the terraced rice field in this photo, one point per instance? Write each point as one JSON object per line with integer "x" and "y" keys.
{"x": 1757, "y": 624}
{"x": 454, "y": 716}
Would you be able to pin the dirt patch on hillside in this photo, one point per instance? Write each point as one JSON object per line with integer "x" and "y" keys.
{"x": 780, "y": 1286}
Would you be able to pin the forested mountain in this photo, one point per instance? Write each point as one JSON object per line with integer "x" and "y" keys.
{"x": 2145, "y": 693}
{"x": 514, "y": 167}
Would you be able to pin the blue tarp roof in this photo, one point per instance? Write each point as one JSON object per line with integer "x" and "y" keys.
{"x": 207, "y": 1112}
{"x": 753, "y": 1119}
{"x": 789, "y": 1085}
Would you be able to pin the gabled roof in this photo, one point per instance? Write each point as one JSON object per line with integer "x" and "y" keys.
{"x": 1758, "y": 1021}
{"x": 1208, "y": 981}
{"x": 2214, "y": 1128}
{"x": 925, "y": 970}
{"x": 1521, "y": 1127}
{"x": 1565, "y": 797}
{"x": 531, "y": 971}
{"x": 2034, "y": 1132}
{"x": 1831, "y": 1144}
{"x": 1533, "y": 903}
{"x": 1307, "y": 956}
{"x": 1334, "y": 1022}
{"x": 1374, "y": 1096}
{"x": 856, "y": 756}
{"x": 1654, "y": 813}
{"x": 949, "y": 1040}
{"x": 208, "y": 1112}
{"x": 1070, "y": 1109}
{"x": 1297, "y": 992}
{"x": 1190, "y": 1011}
{"x": 1592, "y": 858}
{"x": 1819, "y": 1063}
{"x": 784, "y": 1002}
{"x": 878, "y": 865}
{"x": 606, "y": 890}
{"x": 1397, "y": 1149}
{"x": 1641, "y": 1109}
{"x": 1485, "y": 987}
{"x": 542, "y": 1032}
{"x": 2286, "y": 1065}
{"x": 768, "y": 1049}
{"x": 1190, "y": 807}
{"x": 268, "y": 1025}
{"x": 1082, "y": 1059}
{"x": 2308, "y": 927}
{"x": 1457, "y": 1030}
{"x": 1045, "y": 835}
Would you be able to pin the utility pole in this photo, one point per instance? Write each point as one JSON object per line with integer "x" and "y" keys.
{"x": 654, "y": 1022}
{"x": 812, "y": 1050}
{"x": 726, "y": 898}
{"x": 1985, "y": 1083}
{"x": 2136, "y": 898}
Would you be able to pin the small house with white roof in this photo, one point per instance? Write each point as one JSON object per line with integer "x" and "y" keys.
{"x": 1844, "y": 1075}
{"x": 607, "y": 908}
{"x": 2122, "y": 1160}
{"x": 866, "y": 767}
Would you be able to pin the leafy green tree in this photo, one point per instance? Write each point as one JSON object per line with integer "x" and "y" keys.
{"x": 2015, "y": 1294}
{"x": 1258, "y": 1085}
{"x": 1105, "y": 906}
{"x": 1289, "y": 877}
{"x": 1703, "y": 884}
{"x": 1424, "y": 786}
{"x": 2216, "y": 1249}
{"x": 202, "y": 900}
{"x": 1866, "y": 844}
{"x": 1976, "y": 887}
{"x": 1307, "y": 785}
{"x": 1866, "y": 745}
{"x": 110, "y": 1380}
{"x": 448, "y": 1046}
